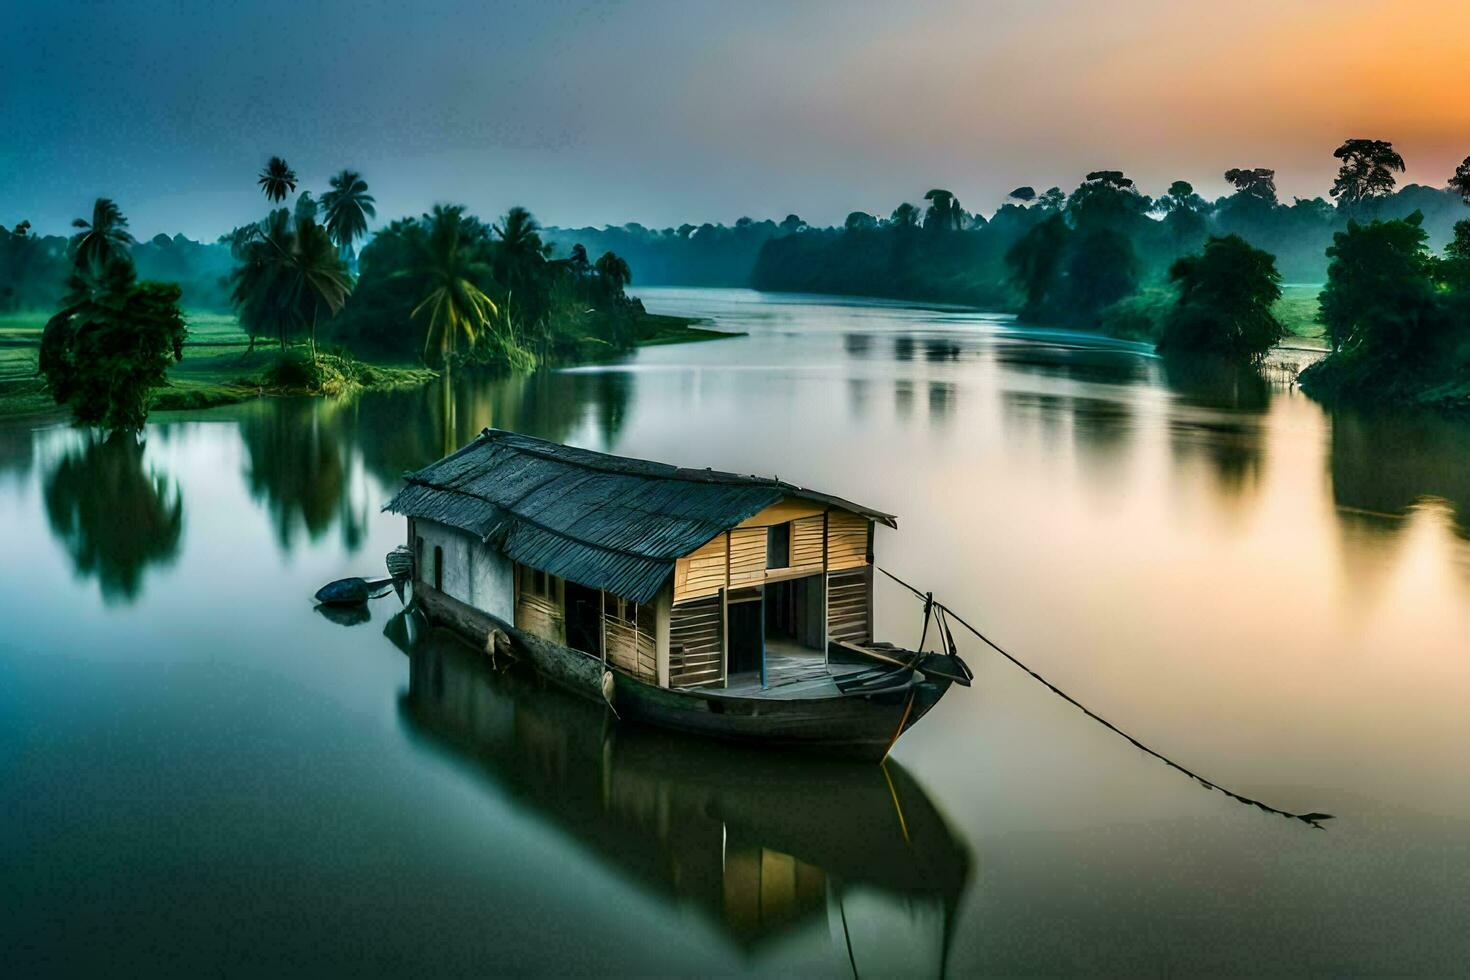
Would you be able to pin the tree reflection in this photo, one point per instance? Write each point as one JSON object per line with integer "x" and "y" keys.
{"x": 113, "y": 518}
{"x": 302, "y": 452}
{"x": 1219, "y": 418}
{"x": 1384, "y": 465}
{"x": 401, "y": 431}
{"x": 298, "y": 466}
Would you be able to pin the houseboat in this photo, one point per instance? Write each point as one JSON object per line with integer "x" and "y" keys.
{"x": 714, "y": 604}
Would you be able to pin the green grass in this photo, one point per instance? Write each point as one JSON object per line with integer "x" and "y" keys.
{"x": 660, "y": 328}
{"x": 1297, "y": 311}
{"x": 218, "y": 367}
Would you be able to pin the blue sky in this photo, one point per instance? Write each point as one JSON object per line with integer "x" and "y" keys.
{"x": 665, "y": 112}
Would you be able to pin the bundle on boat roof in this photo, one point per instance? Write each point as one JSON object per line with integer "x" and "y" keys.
{"x": 607, "y": 522}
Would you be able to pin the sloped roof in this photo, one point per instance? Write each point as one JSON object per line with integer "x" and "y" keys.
{"x": 608, "y": 522}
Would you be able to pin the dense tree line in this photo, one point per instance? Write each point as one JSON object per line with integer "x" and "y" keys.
{"x": 34, "y": 268}
{"x": 689, "y": 255}
{"x": 942, "y": 253}
{"x": 1397, "y": 316}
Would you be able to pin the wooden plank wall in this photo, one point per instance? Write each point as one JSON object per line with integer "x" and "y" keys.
{"x": 701, "y": 572}
{"x": 696, "y": 643}
{"x": 806, "y": 543}
{"x": 540, "y": 616}
{"x": 847, "y": 540}
{"x": 635, "y": 651}
{"x": 747, "y": 556}
{"x": 849, "y": 606}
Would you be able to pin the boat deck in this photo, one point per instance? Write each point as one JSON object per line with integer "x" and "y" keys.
{"x": 793, "y": 672}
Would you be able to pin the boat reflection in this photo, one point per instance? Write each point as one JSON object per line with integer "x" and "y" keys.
{"x": 760, "y": 845}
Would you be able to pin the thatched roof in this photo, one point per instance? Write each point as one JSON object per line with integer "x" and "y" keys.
{"x": 608, "y": 522}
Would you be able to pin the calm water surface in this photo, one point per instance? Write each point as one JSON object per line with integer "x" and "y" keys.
{"x": 202, "y": 773}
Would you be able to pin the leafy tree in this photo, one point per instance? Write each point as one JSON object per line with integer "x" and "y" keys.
{"x": 1379, "y": 294}
{"x": 1258, "y": 183}
{"x": 1453, "y": 271}
{"x": 1108, "y": 200}
{"x": 1225, "y": 297}
{"x": 1460, "y": 182}
{"x": 349, "y": 206}
{"x": 1025, "y": 194}
{"x": 1035, "y": 262}
{"x": 1180, "y": 197}
{"x": 111, "y": 345}
{"x": 1052, "y": 199}
{"x": 1184, "y": 213}
{"x": 277, "y": 180}
{"x": 33, "y": 269}
{"x": 860, "y": 221}
{"x": 1366, "y": 172}
{"x": 944, "y": 213}
{"x": 1101, "y": 269}
{"x": 905, "y": 216}
{"x": 791, "y": 224}
{"x": 104, "y": 239}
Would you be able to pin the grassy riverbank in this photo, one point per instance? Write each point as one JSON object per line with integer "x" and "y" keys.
{"x": 219, "y": 368}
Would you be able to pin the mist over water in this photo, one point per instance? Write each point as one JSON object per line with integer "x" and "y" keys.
{"x": 200, "y": 770}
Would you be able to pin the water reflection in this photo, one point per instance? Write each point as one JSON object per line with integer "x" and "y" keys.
{"x": 1385, "y": 465}
{"x": 1220, "y": 419}
{"x": 760, "y": 845}
{"x": 941, "y": 401}
{"x": 298, "y": 466}
{"x": 113, "y": 517}
{"x": 17, "y": 451}
{"x": 1073, "y": 359}
{"x": 938, "y": 351}
{"x": 903, "y": 399}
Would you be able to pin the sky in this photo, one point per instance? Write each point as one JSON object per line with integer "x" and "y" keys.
{"x": 667, "y": 111}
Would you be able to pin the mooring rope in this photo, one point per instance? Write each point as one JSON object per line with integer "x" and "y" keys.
{"x": 1314, "y": 819}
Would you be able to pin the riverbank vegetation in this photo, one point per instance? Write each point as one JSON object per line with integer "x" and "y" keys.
{"x": 1397, "y": 318}
{"x": 427, "y": 295}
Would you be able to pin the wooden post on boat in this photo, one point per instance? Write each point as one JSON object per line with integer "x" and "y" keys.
{"x": 826, "y": 597}
{"x": 928, "y": 609}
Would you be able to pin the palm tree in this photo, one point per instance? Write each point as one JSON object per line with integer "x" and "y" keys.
{"x": 288, "y": 274}
{"x": 614, "y": 272}
{"x": 348, "y": 206}
{"x": 102, "y": 239}
{"x": 318, "y": 275}
{"x": 277, "y": 180}
{"x": 521, "y": 247}
{"x": 448, "y": 272}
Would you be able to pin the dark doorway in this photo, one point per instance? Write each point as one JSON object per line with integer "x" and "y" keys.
{"x": 583, "y": 610}
{"x": 794, "y": 611}
{"x": 747, "y": 633}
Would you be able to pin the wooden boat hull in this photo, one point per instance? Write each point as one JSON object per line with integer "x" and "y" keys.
{"x": 861, "y": 725}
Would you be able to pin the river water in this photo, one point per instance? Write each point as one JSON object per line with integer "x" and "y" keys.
{"x": 202, "y": 773}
